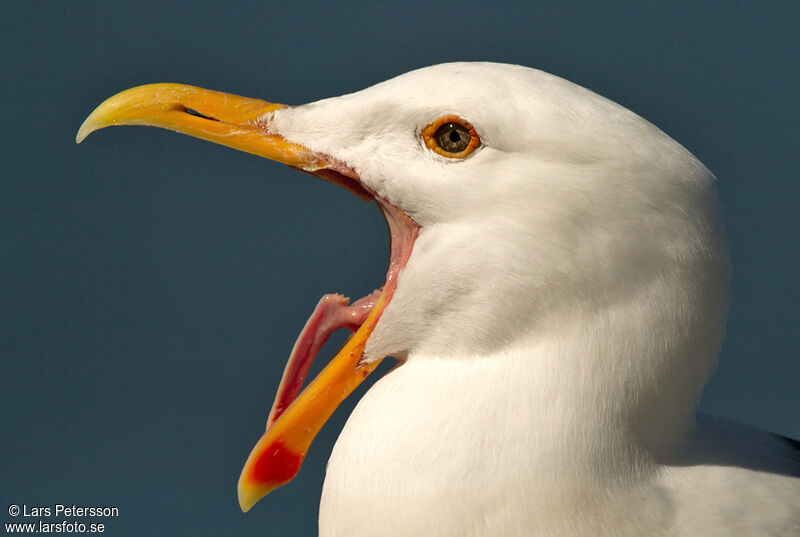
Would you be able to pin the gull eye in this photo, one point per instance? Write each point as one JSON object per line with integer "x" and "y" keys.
{"x": 451, "y": 136}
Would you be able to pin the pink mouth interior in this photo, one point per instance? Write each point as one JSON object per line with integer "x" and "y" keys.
{"x": 334, "y": 311}
{"x": 331, "y": 314}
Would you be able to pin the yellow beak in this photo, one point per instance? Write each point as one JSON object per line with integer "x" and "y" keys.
{"x": 236, "y": 122}
{"x": 229, "y": 119}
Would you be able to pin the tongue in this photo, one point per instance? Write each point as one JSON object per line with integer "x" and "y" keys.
{"x": 332, "y": 313}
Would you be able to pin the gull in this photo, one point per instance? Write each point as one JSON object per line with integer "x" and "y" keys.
{"x": 555, "y": 299}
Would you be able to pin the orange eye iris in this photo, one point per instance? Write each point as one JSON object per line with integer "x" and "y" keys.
{"x": 451, "y": 136}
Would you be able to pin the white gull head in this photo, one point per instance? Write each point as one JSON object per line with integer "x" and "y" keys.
{"x": 559, "y": 315}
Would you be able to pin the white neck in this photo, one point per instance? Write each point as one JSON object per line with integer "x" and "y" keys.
{"x": 453, "y": 447}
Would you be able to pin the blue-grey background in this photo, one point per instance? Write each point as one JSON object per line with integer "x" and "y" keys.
{"x": 151, "y": 285}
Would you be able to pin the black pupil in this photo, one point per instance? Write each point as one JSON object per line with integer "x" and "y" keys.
{"x": 452, "y": 137}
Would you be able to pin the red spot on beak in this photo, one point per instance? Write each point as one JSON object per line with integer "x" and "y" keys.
{"x": 278, "y": 465}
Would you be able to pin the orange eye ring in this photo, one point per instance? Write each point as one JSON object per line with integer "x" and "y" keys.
{"x": 453, "y": 133}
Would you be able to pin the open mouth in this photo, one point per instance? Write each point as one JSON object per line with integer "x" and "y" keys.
{"x": 334, "y": 311}
{"x": 298, "y": 413}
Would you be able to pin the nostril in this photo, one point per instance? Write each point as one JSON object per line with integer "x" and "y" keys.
{"x": 193, "y": 112}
